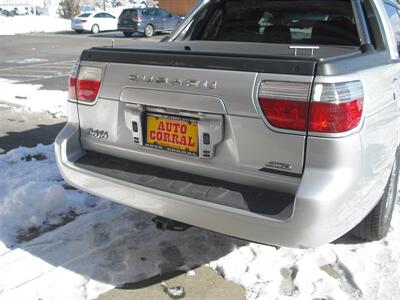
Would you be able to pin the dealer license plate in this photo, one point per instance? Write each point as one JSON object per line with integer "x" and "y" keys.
{"x": 172, "y": 133}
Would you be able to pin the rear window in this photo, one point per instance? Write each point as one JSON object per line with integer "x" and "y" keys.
{"x": 278, "y": 22}
{"x": 84, "y": 16}
{"x": 129, "y": 13}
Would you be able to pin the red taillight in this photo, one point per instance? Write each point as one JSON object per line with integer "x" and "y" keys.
{"x": 334, "y": 107}
{"x": 84, "y": 85}
{"x": 87, "y": 90}
{"x": 72, "y": 81}
{"x": 72, "y": 88}
{"x": 137, "y": 19}
{"x": 335, "y": 117}
{"x": 285, "y": 113}
{"x": 285, "y": 104}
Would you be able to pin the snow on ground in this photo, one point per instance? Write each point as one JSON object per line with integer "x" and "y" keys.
{"x": 33, "y": 194}
{"x": 27, "y": 24}
{"x": 31, "y": 98}
{"x": 334, "y": 271}
{"x": 106, "y": 245}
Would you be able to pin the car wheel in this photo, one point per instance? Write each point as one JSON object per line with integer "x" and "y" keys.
{"x": 78, "y": 31}
{"x": 95, "y": 29}
{"x": 376, "y": 225}
{"x": 149, "y": 30}
{"x": 127, "y": 33}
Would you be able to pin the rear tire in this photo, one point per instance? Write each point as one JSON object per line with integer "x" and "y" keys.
{"x": 127, "y": 33}
{"x": 376, "y": 225}
{"x": 149, "y": 30}
{"x": 78, "y": 31}
{"x": 95, "y": 29}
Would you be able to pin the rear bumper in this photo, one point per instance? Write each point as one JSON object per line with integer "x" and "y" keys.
{"x": 320, "y": 213}
{"x": 78, "y": 26}
{"x": 128, "y": 28}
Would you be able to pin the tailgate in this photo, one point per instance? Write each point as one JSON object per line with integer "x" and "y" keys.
{"x": 198, "y": 113}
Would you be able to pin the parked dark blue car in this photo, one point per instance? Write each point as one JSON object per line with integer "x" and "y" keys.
{"x": 147, "y": 21}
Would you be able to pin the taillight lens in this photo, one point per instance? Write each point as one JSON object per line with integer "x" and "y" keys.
{"x": 285, "y": 114}
{"x": 285, "y": 104}
{"x": 72, "y": 81}
{"x": 137, "y": 19}
{"x": 336, "y": 107}
{"x": 88, "y": 84}
{"x": 72, "y": 88}
{"x": 85, "y": 87}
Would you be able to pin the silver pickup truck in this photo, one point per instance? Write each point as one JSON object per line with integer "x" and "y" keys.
{"x": 272, "y": 121}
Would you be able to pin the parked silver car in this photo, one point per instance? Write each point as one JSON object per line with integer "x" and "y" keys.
{"x": 286, "y": 134}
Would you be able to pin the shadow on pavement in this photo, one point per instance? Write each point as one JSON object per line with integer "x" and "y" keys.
{"x": 115, "y": 35}
{"x": 104, "y": 34}
{"x": 134, "y": 36}
{"x": 112, "y": 35}
{"x": 151, "y": 281}
{"x": 43, "y": 134}
{"x": 109, "y": 243}
{"x": 121, "y": 247}
{"x": 349, "y": 239}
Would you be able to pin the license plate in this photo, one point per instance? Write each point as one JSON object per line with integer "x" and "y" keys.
{"x": 172, "y": 133}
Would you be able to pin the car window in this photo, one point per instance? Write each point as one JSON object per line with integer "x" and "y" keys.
{"x": 84, "y": 16}
{"x": 278, "y": 22}
{"x": 395, "y": 20}
{"x": 164, "y": 13}
{"x": 108, "y": 16}
{"x": 154, "y": 12}
{"x": 145, "y": 12}
{"x": 129, "y": 13}
{"x": 99, "y": 15}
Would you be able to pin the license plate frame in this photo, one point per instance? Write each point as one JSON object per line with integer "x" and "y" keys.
{"x": 173, "y": 126}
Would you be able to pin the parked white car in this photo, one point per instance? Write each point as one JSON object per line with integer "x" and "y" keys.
{"x": 94, "y": 22}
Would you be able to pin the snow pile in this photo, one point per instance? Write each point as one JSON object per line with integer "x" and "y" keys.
{"x": 107, "y": 245}
{"x": 32, "y": 195}
{"x": 28, "y": 24}
{"x": 29, "y": 97}
{"x": 334, "y": 271}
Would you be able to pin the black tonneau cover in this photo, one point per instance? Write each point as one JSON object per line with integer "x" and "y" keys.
{"x": 237, "y": 56}
{"x": 206, "y": 55}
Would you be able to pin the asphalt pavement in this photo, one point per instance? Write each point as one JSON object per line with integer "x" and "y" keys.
{"x": 46, "y": 59}
{"x": 27, "y": 129}
{"x": 203, "y": 284}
